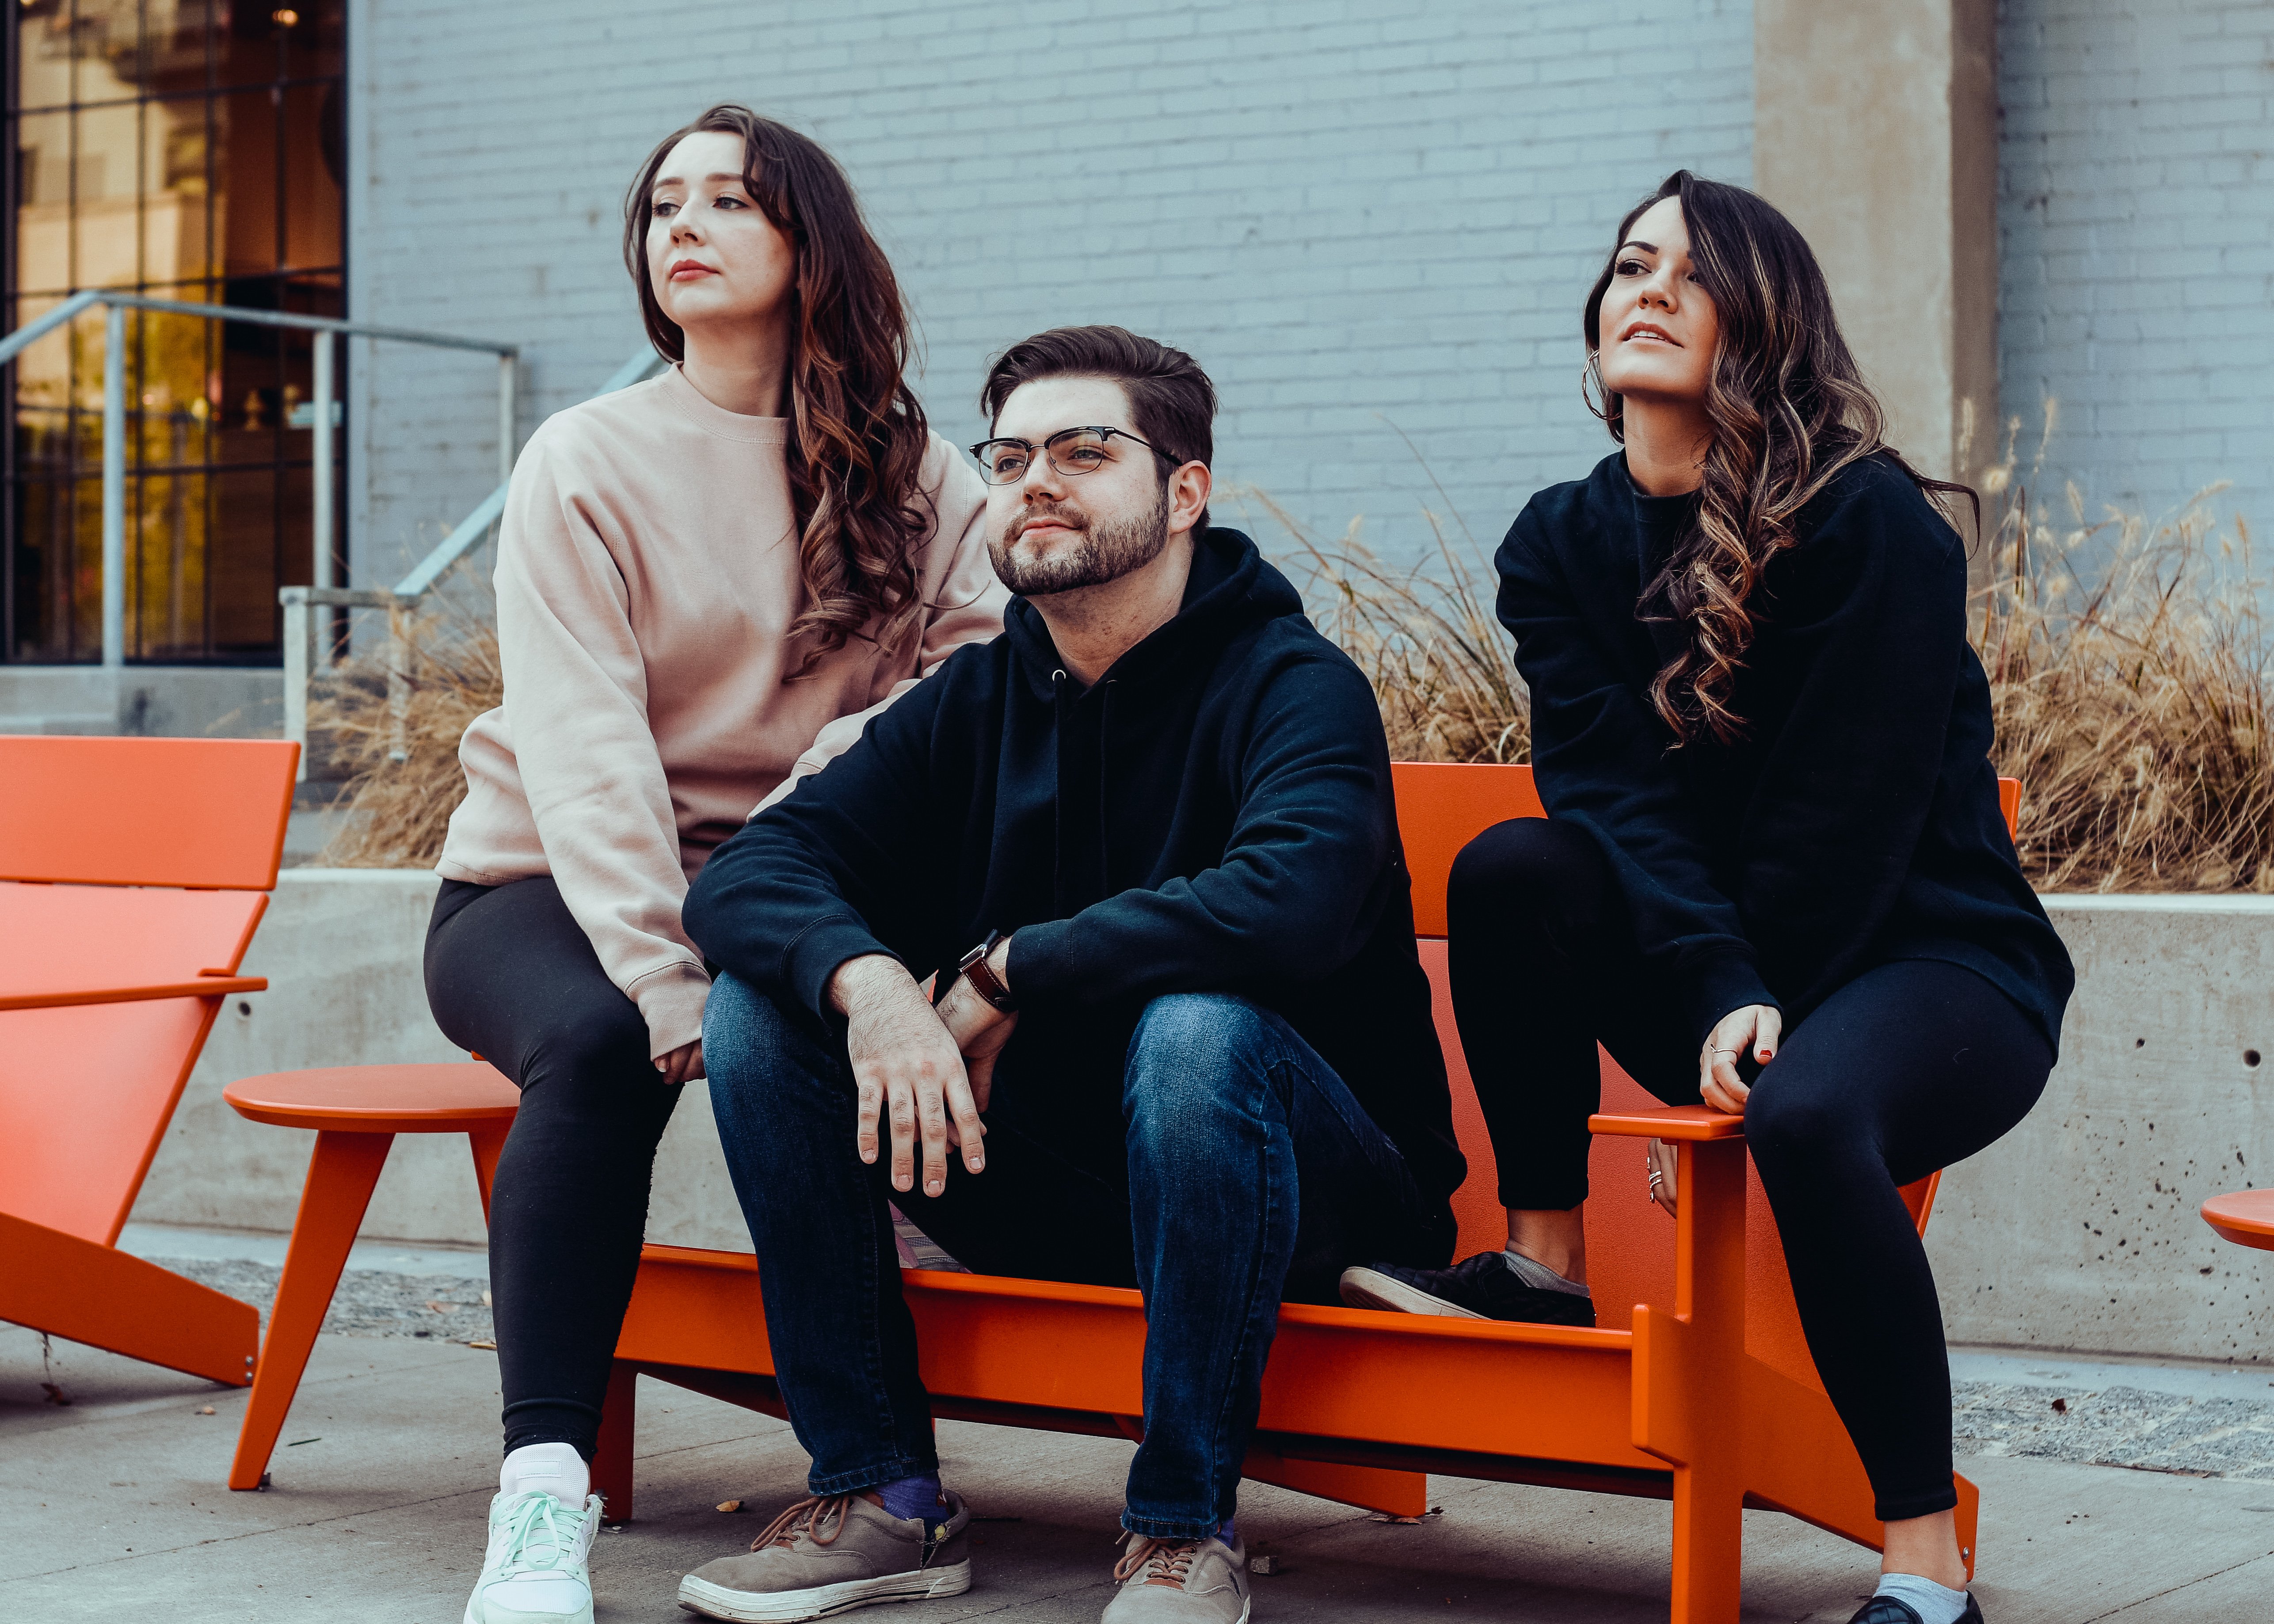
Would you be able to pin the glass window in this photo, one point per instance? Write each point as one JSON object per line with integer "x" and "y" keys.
{"x": 194, "y": 150}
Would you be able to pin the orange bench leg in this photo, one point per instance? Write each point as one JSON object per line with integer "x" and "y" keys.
{"x": 107, "y": 1299}
{"x": 612, "y": 1462}
{"x": 341, "y": 1175}
{"x": 1685, "y": 1363}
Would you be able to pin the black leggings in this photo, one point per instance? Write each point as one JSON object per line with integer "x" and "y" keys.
{"x": 1913, "y": 1065}
{"x": 511, "y": 975}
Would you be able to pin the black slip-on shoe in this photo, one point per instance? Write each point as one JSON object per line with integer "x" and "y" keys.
{"x": 1887, "y": 1610}
{"x": 1479, "y": 1288}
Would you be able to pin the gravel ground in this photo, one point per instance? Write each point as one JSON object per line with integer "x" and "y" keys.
{"x": 2118, "y": 1426}
{"x": 2114, "y": 1426}
{"x": 368, "y": 1302}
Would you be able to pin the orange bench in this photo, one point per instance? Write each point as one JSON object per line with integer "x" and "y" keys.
{"x": 1702, "y": 1393}
{"x": 133, "y": 874}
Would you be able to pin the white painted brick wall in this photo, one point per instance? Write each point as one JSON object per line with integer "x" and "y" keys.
{"x": 2137, "y": 219}
{"x": 1362, "y": 216}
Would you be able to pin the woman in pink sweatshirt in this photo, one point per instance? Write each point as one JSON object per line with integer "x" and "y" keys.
{"x": 705, "y": 583}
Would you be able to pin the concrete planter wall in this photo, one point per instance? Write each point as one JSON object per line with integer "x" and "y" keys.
{"x": 2078, "y": 1231}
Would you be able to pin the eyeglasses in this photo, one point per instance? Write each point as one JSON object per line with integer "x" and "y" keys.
{"x": 1071, "y": 452}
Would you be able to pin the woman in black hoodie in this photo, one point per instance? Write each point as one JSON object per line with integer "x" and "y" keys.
{"x": 1773, "y": 875}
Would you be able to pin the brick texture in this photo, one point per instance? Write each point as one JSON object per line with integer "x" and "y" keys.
{"x": 1373, "y": 221}
{"x": 2137, "y": 226}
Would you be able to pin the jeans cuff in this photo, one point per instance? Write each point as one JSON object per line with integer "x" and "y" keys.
{"x": 1170, "y": 1527}
{"x": 872, "y": 1477}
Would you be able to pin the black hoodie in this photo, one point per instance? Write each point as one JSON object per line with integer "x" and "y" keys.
{"x": 1856, "y": 824}
{"x": 1213, "y": 815}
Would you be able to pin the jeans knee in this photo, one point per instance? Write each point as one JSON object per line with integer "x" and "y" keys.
{"x": 1186, "y": 1047}
{"x": 744, "y": 1034}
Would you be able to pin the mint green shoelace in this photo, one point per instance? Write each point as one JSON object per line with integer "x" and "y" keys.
{"x": 533, "y": 1509}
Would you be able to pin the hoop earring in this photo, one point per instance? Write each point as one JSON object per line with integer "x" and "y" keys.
{"x": 1591, "y": 372}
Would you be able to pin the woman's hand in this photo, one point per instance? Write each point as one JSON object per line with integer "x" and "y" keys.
{"x": 684, "y": 1064}
{"x": 1758, "y": 1027}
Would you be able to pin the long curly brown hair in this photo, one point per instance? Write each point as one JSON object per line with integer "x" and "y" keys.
{"x": 1789, "y": 409}
{"x": 858, "y": 435}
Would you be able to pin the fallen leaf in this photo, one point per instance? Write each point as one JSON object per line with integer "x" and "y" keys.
{"x": 2060, "y": 1407}
{"x": 490, "y": 1345}
{"x": 56, "y": 1395}
{"x": 442, "y": 1308}
{"x": 207, "y": 1410}
{"x": 730, "y": 1505}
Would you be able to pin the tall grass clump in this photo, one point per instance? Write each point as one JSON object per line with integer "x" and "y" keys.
{"x": 393, "y": 718}
{"x": 1426, "y": 637}
{"x": 2129, "y": 670}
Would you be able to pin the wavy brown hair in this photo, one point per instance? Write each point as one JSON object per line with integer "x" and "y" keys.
{"x": 1789, "y": 409}
{"x": 857, "y": 435}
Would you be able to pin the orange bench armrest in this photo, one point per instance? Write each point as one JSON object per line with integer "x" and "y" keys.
{"x": 204, "y": 987}
{"x": 1675, "y": 1122}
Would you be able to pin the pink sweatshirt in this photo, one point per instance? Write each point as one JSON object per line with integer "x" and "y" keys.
{"x": 646, "y": 575}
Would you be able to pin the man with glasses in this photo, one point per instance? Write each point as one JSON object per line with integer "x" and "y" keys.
{"x": 1145, "y": 843}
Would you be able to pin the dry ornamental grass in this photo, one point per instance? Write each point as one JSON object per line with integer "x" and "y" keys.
{"x": 2127, "y": 660}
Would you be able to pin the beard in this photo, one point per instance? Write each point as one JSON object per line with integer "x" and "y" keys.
{"x": 1107, "y": 550}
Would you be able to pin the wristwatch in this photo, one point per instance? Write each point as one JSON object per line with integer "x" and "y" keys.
{"x": 975, "y": 969}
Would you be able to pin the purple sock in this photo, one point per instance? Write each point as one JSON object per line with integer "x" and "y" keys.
{"x": 1228, "y": 1533}
{"x": 914, "y": 1497}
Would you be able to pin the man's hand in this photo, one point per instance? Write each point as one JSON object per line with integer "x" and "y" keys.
{"x": 682, "y": 1064}
{"x": 1757, "y": 1027}
{"x": 979, "y": 1029}
{"x": 905, "y": 1067}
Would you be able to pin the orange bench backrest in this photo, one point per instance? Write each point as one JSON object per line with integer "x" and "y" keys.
{"x": 1441, "y": 809}
{"x": 199, "y": 812}
{"x": 101, "y": 841}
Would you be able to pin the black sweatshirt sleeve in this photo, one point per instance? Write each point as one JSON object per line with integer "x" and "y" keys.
{"x": 844, "y": 866}
{"x": 1601, "y": 762}
{"x": 1290, "y": 899}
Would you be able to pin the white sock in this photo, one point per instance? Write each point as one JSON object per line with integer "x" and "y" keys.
{"x": 1934, "y": 1604}
{"x": 557, "y": 1469}
{"x": 1539, "y": 1277}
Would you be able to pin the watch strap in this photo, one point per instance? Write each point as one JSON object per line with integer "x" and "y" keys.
{"x": 983, "y": 977}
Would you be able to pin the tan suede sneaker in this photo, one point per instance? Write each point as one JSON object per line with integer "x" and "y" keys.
{"x": 830, "y": 1554}
{"x": 1180, "y": 1581}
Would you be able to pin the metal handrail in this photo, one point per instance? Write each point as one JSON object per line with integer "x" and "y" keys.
{"x": 329, "y": 332}
{"x": 406, "y": 595}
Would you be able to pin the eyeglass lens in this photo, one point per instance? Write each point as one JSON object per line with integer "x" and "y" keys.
{"x": 1072, "y": 453}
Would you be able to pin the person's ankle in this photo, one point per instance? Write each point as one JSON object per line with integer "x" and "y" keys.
{"x": 1546, "y": 1277}
{"x": 910, "y": 1498}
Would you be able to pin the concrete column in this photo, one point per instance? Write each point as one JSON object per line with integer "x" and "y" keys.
{"x": 1875, "y": 130}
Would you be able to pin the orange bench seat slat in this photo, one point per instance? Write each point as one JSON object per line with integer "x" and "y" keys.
{"x": 1044, "y": 1345}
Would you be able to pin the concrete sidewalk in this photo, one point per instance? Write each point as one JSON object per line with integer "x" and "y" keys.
{"x": 113, "y": 1508}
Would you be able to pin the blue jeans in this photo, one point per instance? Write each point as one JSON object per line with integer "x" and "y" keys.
{"x": 1245, "y": 1170}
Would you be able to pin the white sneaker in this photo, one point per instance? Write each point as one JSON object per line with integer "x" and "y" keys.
{"x": 534, "y": 1571}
